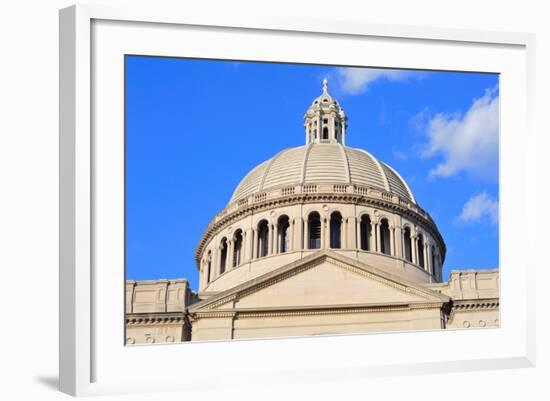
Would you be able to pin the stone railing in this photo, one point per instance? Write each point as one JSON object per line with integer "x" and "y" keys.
{"x": 275, "y": 193}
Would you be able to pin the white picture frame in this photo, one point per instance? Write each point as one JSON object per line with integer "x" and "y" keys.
{"x": 91, "y": 362}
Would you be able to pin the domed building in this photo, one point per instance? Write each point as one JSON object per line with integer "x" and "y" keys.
{"x": 320, "y": 239}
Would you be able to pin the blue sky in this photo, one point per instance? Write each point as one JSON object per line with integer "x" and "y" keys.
{"x": 194, "y": 128}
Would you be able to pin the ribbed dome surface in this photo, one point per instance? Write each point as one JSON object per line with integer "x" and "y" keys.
{"x": 322, "y": 163}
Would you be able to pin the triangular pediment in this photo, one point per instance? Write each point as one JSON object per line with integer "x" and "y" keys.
{"x": 325, "y": 279}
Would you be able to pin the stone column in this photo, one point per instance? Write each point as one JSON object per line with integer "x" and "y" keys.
{"x": 414, "y": 250}
{"x": 254, "y": 249}
{"x": 436, "y": 267}
{"x": 306, "y": 234}
{"x": 290, "y": 233}
{"x": 392, "y": 240}
{"x": 205, "y": 273}
{"x": 297, "y": 234}
{"x": 428, "y": 258}
{"x": 352, "y": 232}
{"x": 209, "y": 269}
{"x": 377, "y": 237}
{"x": 323, "y": 232}
{"x": 399, "y": 242}
{"x": 202, "y": 275}
{"x": 371, "y": 240}
{"x": 357, "y": 232}
{"x": 230, "y": 250}
{"x": 343, "y": 125}
{"x": 276, "y": 238}
{"x": 344, "y": 233}
{"x": 215, "y": 265}
{"x": 245, "y": 251}
{"x": 270, "y": 239}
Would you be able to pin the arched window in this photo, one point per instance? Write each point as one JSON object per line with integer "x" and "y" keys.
{"x": 314, "y": 234}
{"x": 223, "y": 256}
{"x": 263, "y": 238}
{"x": 208, "y": 266}
{"x": 420, "y": 250}
{"x": 385, "y": 237}
{"x": 325, "y": 133}
{"x": 365, "y": 231}
{"x": 407, "y": 244}
{"x": 284, "y": 234}
{"x": 335, "y": 230}
{"x": 237, "y": 247}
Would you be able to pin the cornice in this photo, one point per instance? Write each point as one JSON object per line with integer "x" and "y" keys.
{"x": 469, "y": 305}
{"x": 306, "y": 198}
{"x": 252, "y": 313}
{"x": 133, "y": 319}
{"x": 476, "y": 304}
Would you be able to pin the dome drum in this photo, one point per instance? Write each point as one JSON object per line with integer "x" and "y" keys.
{"x": 301, "y": 192}
{"x": 263, "y": 246}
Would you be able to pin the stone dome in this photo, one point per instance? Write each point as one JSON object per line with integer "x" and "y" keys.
{"x": 322, "y": 163}
{"x": 321, "y": 196}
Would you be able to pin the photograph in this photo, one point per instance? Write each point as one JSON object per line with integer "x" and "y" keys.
{"x": 272, "y": 200}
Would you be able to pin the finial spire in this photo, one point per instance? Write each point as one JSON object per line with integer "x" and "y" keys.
{"x": 325, "y": 85}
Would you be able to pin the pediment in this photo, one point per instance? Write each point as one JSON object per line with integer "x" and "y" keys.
{"x": 323, "y": 279}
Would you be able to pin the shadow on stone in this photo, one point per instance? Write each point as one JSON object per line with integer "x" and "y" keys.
{"x": 49, "y": 381}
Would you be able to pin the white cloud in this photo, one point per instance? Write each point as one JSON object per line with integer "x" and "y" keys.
{"x": 399, "y": 155}
{"x": 467, "y": 142}
{"x": 478, "y": 208}
{"x": 353, "y": 81}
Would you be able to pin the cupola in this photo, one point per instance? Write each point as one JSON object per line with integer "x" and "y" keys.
{"x": 325, "y": 121}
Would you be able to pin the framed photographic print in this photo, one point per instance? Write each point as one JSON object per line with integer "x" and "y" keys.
{"x": 245, "y": 190}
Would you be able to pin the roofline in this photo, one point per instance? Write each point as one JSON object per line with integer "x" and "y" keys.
{"x": 321, "y": 254}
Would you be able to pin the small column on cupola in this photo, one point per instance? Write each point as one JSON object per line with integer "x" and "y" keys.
{"x": 325, "y": 121}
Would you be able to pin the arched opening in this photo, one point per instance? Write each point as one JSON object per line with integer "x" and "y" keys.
{"x": 325, "y": 133}
{"x": 335, "y": 230}
{"x": 284, "y": 234}
{"x": 223, "y": 255}
{"x": 407, "y": 244}
{"x": 263, "y": 238}
{"x": 421, "y": 250}
{"x": 365, "y": 232}
{"x": 208, "y": 266}
{"x": 385, "y": 237}
{"x": 237, "y": 247}
{"x": 314, "y": 234}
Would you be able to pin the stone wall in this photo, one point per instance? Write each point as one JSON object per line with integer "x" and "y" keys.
{"x": 155, "y": 311}
{"x": 476, "y": 299}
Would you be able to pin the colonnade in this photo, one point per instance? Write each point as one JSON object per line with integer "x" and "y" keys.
{"x": 291, "y": 234}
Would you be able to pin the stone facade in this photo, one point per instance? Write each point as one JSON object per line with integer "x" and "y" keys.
{"x": 321, "y": 239}
{"x": 155, "y": 311}
{"x": 321, "y": 294}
